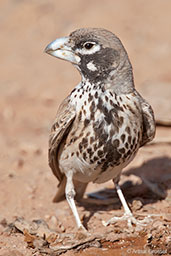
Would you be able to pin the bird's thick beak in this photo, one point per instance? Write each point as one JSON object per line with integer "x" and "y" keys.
{"x": 60, "y": 48}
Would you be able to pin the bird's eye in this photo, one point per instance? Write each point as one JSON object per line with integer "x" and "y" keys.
{"x": 88, "y": 45}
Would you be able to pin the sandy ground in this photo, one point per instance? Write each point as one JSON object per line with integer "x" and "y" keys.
{"x": 33, "y": 84}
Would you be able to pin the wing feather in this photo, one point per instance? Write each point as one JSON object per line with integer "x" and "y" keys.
{"x": 149, "y": 126}
{"x": 60, "y": 128}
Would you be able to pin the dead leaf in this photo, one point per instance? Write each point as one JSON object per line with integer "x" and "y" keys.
{"x": 28, "y": 238}
{"x": 51, "y": 238}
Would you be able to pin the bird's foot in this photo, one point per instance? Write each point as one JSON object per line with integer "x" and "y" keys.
{"x": 131, "y": 220}
{"x": 82, "y": 233}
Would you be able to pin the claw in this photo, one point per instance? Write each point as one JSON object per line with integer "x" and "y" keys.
{"x": 130, "y": 220}
{"x": 82, "y": 233}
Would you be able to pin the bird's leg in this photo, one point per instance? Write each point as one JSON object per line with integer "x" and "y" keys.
{"x": 124, "y": 203}
{"x": 128, "y": 214}
{"x": 70, "y": 193}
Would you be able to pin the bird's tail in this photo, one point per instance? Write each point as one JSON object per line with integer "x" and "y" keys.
{"x": 80, "y": 188}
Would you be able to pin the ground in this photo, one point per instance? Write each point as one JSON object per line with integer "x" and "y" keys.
{"x": 33, "y": 84}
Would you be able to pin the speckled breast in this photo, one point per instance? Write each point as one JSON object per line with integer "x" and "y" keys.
{"x": 105, "y": 135}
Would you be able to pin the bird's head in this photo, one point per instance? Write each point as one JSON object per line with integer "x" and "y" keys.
{"x": 97, "y": 53}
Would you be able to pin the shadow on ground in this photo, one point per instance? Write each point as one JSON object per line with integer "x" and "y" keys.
{"x": 148, "y": 183}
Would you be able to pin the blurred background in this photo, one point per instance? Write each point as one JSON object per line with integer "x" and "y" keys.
{"x": 32, "y": 84}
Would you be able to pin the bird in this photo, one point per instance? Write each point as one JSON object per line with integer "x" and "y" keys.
{"x": 100, "y": 126}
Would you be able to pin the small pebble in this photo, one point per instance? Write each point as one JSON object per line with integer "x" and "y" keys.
{"x": 136, "y": 205}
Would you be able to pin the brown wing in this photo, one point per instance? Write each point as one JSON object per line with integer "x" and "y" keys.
{"x": 63, "y": 122}
{"x": 62, "y": 125}
{"x": 149, "y": 127}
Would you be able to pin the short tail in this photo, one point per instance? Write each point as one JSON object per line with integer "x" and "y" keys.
{"x": 80, "y": 188}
